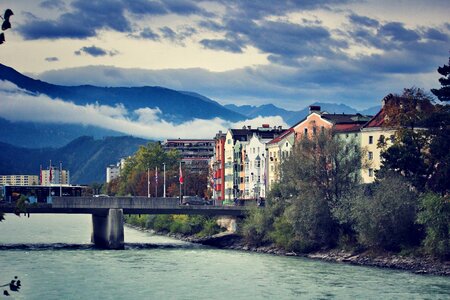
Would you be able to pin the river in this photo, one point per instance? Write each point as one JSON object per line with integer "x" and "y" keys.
{"x": 53, "y": 258}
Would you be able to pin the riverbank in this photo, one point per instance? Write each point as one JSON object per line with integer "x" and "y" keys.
{"x": 414, "y": 264}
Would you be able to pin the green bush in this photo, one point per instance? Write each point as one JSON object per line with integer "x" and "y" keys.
{"x": 256, "y": 227}
{"x": 283, "y": 234}
{"x": 435, "y": 216}
{"x": 384, "y": 214}
{"x": 313, "y": 224}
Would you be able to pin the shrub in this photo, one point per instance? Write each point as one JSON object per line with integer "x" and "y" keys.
{"x": 435, "y": 216}
{"x": 384, "y": 214}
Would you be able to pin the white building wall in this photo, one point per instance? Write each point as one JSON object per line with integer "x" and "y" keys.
{"x": 255, "y": 168}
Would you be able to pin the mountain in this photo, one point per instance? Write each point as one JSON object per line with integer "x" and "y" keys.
{"x": 85, "y": 157}
{"x": 175, "y": 106}
{"x": 40, "y": 135}
{"x": 292, "y": 117}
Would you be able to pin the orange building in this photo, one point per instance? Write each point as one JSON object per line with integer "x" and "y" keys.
{"x": 318, "y": 121}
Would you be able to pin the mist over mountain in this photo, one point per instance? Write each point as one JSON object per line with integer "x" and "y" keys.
{"x": 175, "y": 106}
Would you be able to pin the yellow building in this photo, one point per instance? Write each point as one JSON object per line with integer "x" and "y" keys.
{"x": 19, "y": 180}
{"x": 374, "y": 139}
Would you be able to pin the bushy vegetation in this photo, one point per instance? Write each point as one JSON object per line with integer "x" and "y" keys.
{"x": 183, "y": 224}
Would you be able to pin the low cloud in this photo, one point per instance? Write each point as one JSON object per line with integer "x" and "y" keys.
{"x": 95, "y": 51}
{"x": 19, "y": 105}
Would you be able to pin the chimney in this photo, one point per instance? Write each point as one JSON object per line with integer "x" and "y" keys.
{"x": 265, "y": 125}
{"x": 314, "y": 108}
{"x": 386, "y": 99}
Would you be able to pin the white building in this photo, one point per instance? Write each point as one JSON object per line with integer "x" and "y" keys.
{"x": 255, "y": 167}
{"x": 113, "y": 171}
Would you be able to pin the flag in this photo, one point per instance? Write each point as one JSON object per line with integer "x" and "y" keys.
{"x": 40, "y": 175}
{"x": 181, "y": 175}
{"x": 50, "y": 177}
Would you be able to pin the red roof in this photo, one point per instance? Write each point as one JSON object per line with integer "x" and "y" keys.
{"x": 377, "y": 120}
{"x": 347, "y": 127}
{"x": 282, "y": 136}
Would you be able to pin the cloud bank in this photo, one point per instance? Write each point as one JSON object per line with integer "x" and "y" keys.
{"x": 19, "y": 105}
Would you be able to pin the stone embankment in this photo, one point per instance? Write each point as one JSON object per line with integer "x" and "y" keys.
{"x": 418, "y": 265}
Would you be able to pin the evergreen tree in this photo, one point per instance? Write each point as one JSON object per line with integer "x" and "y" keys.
{"x": 443, "y": 93}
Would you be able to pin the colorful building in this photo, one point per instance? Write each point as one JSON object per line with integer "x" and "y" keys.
{"x": 235, "y": 142}
{"x": 277, "y": 150}
{"x": 218, "y": 167}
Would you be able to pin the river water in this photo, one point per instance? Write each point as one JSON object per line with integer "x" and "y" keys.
{"x": 53, "y": 258}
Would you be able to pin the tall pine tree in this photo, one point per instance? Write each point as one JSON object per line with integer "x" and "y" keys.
{"x": 443, "y": 93}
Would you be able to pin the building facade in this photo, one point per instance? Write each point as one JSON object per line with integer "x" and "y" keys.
{"x": 195, "y": 153}
{"x": 236, "y": 144}
{"x": 277, "y": 150}
{"x": 218, "y": 167}
{"x": 20, "y": 180}
{"x": 55, "y": 176}
{"x": 255, "y": 168}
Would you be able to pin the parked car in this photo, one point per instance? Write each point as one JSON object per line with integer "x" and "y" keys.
{"x": 195, "y": 200}
{"x": 100, "y": 196}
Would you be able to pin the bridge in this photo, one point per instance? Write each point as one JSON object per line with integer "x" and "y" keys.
{"x": 107, "y": 213}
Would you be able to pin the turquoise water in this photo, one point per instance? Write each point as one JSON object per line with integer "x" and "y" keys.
{"x": 52, "y": 256}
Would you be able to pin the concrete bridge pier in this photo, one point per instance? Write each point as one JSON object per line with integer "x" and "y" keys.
{"x": 107, "y": 230}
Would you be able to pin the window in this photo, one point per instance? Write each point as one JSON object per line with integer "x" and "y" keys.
{"x": 370, "y": 139}
{"x": 287, "y": 144}
{"x": 306, "y": 131}
{"x": 370, "y": 172}
{"x": 314, "y": 131}
{"x": 370, "y": 155}
{"x": 271, "y": 168}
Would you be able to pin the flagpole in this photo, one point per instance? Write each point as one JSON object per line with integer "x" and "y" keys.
{"x": 164, "y": 192}
{"x": 50, "y": 181}
{"x": 181, "y": 198}
{"x": 156, "y": 181}
{"x": 60, "y": 178}
{"x": 148, "y": 182}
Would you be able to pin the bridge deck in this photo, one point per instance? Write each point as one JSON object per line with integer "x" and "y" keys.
{"x": 130, "y": 205}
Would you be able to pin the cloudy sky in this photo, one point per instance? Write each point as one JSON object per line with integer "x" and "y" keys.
{"x": 289, "y": 53}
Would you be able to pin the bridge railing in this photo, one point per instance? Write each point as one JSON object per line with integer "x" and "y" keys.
{"x": 115, "y": 202}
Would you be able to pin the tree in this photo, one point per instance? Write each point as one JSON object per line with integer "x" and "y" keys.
{"x": 298, "y": 214}
{"x": 133, "y": 177}
{"x": 443, "y": 93}
{"x": 384, "y": 213}
{"x": 435, "y": 216}
{"x": 420, "y": 150}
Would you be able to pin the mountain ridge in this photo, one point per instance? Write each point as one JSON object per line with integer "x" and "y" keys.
{"x": 85, "y": 157}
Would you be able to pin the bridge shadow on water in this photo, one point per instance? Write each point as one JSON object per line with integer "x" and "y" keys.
{"x": 63, "y": 246}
